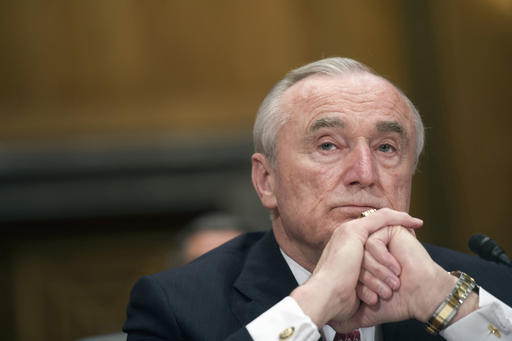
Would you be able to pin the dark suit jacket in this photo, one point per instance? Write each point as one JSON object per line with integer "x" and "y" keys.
{"x": 214, "y": 297}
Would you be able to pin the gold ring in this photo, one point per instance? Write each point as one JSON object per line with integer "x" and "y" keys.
{"x": 368, "y": 212}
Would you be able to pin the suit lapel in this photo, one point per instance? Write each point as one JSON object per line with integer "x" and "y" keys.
{"x": 264, "y": 280}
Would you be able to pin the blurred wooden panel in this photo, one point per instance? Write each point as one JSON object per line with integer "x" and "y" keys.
{"x": 372, "y": 32}
{"x": 206, "y": 115}
{"x": 474, "y": 47}
{"x": 128, "y": 67}
{"x": 131, "y": 68}
{"x": 71, "y": 287}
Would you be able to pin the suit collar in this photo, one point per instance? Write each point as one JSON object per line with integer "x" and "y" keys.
{"x": 264, "y": 280}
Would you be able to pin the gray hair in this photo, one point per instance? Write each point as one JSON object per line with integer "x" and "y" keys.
{"x": 270, "y": 118}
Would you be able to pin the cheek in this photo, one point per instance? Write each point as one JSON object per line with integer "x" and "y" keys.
{"x": 303, "y": 183}
{"x": 315, "y": 180}
{"x": 399, "y": 192}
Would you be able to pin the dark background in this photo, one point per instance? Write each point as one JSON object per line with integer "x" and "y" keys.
{"x": 120, "y": 121}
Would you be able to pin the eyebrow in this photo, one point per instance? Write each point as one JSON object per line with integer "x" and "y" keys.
{"x": 326, "y": 122}
{"x": 381, "y": 126}
{"x": 390, "y": 126}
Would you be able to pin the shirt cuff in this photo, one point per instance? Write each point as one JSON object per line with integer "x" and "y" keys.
{"x": 284, "y": 321}
{"x": 493, "y": 318}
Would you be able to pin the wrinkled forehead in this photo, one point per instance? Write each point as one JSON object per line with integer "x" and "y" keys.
{"x": 354, "y": 92}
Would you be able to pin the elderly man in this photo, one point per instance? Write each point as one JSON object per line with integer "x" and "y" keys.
{"x": 335, "y": 151}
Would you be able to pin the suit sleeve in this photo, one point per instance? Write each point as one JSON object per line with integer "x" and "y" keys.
{"x": 149, "y": 316}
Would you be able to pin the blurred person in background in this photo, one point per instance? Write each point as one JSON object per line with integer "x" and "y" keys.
{"x": 202, "y": 234}
{"x": 205, "y": 233}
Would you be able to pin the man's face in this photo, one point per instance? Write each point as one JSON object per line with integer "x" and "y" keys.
{"x": 348, "y": 146}
{"x": 204, "y": 241}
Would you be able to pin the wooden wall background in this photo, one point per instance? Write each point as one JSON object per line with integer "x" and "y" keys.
{"x": 108, "y": 110}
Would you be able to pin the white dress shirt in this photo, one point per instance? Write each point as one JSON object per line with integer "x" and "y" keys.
{"x": 492, "y": 313}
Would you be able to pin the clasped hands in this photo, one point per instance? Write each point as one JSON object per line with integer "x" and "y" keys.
{"x": 373, "y": 270}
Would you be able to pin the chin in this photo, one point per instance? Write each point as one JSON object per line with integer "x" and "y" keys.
{"x": 339, "y": 215}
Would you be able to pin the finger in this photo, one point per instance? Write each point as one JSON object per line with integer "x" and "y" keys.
{"x": 384, "y": 261}
{"x": 375, "y": 284}
{"x": 380, "y": 272}
{"x": 364, "y": 227}
{"x": 366, "y": 295}
{"x": 388, "y": 217}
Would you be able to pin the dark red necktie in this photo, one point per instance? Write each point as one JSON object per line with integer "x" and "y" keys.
{"x": 354, "y": 336}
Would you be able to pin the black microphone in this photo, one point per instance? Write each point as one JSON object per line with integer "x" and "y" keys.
{"x": 487, "y": 249}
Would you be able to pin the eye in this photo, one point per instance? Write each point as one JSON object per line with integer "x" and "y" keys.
{"x": 327, "y": 146}
{"x": 386, "y": 148}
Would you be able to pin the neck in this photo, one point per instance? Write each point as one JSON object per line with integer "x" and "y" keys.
{"x": 297, "y": 250}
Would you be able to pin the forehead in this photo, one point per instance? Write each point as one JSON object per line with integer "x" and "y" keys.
{"x": 360, "y": 94}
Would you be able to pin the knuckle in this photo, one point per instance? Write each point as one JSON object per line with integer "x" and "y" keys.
{"x": 368, "y": 296}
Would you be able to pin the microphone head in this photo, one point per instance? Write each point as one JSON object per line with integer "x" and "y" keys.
{"x": 487, "y": 249}
{"x": 476, "y": 242}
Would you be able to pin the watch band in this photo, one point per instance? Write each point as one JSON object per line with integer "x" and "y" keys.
{"x": 448, "y": 308}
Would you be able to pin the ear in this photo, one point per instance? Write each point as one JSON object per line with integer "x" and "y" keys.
{"x": 263, "y": 180}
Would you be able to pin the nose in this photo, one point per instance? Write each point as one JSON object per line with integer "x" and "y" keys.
{"x": 359, "y": 168}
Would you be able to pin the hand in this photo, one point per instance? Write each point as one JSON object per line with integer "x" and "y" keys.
{"x": 378, "y": 276}
{"x": 330, "y": 294}
{"x": 424, "y": 284}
